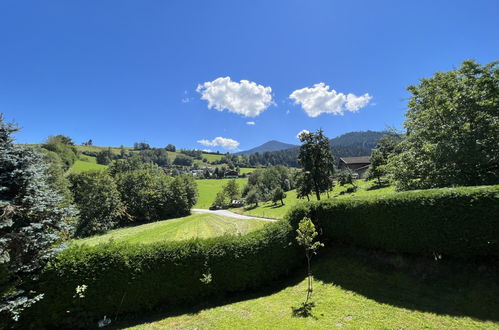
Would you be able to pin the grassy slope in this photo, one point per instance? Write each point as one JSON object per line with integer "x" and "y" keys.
{"x": 193, "y": 226}
{"x": 208, "y": 189}
{"x": 246, "y": 170}
{"x": 86, "y": 163}
{"x": 354, "y": 291}
{"x": 269, "y": 210}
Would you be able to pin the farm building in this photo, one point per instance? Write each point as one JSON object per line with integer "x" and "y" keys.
{"x": 231, "y": 175}
{"x": 358, "y": 165}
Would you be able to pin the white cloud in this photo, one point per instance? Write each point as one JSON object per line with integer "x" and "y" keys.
{"x": 319, "y": 99}
{"x": 186, "y": 100}
{"x": 207, "y": 150}
{"x": 245, "y": 97}
{"x": 302, "y": 132}
{"x": 228, "y": 144}
{"x": 251, "y": 123}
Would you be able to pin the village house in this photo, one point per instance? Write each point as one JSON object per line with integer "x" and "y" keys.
{"x": 358, "y": 165}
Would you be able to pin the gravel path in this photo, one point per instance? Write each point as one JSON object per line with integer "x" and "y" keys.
{"x": 226, "y": 213}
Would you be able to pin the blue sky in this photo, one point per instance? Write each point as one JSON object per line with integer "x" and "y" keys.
{"x": 119, "y": 72}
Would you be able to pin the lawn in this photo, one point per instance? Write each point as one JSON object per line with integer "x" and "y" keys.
{"x": 356, "y": 290}
{"x": 208, "y": 189}
{"x": 201, "y": 225}
{"x": 269, "y": 210}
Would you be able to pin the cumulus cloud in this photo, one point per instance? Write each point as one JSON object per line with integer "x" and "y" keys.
{"x": 303, "y": 131}
{"x": 319, "y": 99}
{"x": 228, "y": 144}
{"x": 251, "y": 123}
{"x": 245, "y": 97}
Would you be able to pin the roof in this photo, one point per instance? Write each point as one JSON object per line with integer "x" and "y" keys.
{"x": 356, "y": 160}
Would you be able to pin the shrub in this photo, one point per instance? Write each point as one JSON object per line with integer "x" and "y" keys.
{"x": 458, "y": 222}
{"x": 124, "y": 278}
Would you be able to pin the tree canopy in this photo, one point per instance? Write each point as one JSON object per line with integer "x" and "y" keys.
{"x": 452, "y": 130}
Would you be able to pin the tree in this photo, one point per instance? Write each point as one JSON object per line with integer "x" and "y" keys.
{"x": 306, "y": 234}
{"x": 182, "y": 160}
{"x": 278, "y": 195}
{"x": 98, "y": 201}
{"x": 253, "y": 197}
{"x": 105, "y": 157}
{"x": 316, "y": 161}
{"x": 231, "y": 190}
{"x": 171, "y": 148}
{"x": 220, "y": 199}
{"x": 64, "y": 147}
{"x": 141, "y": 146}
{"x": 345, "y": 177}
{"x": 303, "y": 185}
{"x": 32, "y": 221}
{"x": 452, "y": 130}
{"x": 387, "y": 146}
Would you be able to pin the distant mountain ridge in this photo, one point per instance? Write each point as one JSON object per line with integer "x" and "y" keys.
{"x": 353, "y": 144}
{"x": 268, "y": 146}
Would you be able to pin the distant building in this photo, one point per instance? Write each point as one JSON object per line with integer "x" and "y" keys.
{"x": 358, "y": 165}
{"x": 231, "y": 175}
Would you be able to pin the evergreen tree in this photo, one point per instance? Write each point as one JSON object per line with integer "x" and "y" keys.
{"x": 32, "y": 218}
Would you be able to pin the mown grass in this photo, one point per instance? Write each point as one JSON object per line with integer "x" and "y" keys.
{"x": 278, "y": 211}
{"x": 356, "y": 290}
{"x": 203, "y": 225}
{"x": 208, "y": 189}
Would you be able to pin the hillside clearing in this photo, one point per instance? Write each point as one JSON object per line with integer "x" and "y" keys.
{"x": 203, "y": 225}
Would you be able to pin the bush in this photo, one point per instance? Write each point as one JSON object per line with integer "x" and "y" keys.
{"x": 124, "y": 278}
{"x": 458, "y": 222}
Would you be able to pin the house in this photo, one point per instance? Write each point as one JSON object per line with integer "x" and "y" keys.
{"x": 358, "y": 165}
{"x": 231, "y": 175}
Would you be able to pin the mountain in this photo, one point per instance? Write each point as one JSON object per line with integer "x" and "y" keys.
{"x": 268, "y": 146}
{"x": 353, "y": 144}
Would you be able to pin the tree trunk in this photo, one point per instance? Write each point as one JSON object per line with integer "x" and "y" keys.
{"x": 318, "y": 195}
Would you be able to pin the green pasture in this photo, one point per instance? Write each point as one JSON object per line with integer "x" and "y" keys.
{"x": 202, "y": 225}
{"x": 208, "y": 189}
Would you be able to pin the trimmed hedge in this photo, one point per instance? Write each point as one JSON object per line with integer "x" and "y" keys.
{"x": 458, "y": 222}
{"x": 130, "y": 278}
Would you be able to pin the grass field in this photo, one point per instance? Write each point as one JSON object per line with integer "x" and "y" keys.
{"x": 212, "y": 158}
{"x": 201, "y": 225}
{"x": 246, "y": 170}
{"x": 269, "y": 210}
{"x": 354, "y": 290}
{"x": 208, "y": 189}
{"x": 86, "y": 163}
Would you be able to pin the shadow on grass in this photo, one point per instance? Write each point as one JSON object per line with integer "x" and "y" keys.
{"x": 304, "y": 310}
{"x": 446, "y": 288}
{"x": 163, "y": 312}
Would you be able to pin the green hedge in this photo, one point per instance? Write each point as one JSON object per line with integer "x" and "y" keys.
{"x": 458, "y": 222}
{"x": 129, "y": 278}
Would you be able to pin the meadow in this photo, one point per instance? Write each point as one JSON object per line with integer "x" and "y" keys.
{"x": 353, "y": 289}
{"x": 278, "y": 211}
{"x": 208, "y": 189}
{"x": 203, "y": 225}
{"x": 86, "y": 163}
